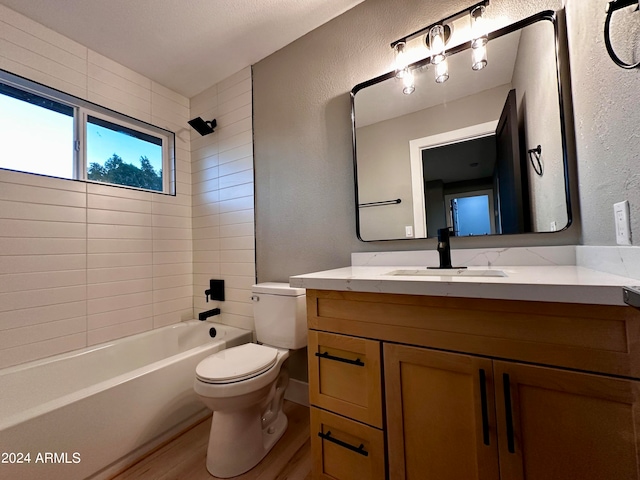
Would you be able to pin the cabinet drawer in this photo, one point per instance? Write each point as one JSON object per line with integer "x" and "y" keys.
{"x": 345, "y": 450}
{"x": 345, "y": 377}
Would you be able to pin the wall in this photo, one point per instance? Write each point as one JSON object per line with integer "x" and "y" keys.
{"x": 223, "y": 218}
{"x": 305, "y": 214}
{"x": 82, "y": 263}
{"x": 605, "y": 99}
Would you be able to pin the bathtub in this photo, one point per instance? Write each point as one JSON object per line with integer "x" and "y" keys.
{"x": 91, "y": 412}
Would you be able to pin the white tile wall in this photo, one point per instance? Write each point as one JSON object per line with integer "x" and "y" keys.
{"x": 43, "y": 266}
{"x": 82, "y": 263}
{"x": 223, "y": 203}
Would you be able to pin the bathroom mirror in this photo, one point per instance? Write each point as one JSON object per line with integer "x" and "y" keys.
{"x": 464, "y": 153}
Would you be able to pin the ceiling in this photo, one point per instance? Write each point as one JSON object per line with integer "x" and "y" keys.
{"x": 186, "y": 46}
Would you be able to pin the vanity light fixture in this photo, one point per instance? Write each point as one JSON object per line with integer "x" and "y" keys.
{"x": 407, "y": 80}
{"x": 401, "y": 59}
{"x": 402, "y": 70}
{"x": 442, "y": 71}
{"x": 436, "y": 42}
{"x": 438, "y": 53}
{"x": 479, "y": 39}
{"x": 436, "y": 36}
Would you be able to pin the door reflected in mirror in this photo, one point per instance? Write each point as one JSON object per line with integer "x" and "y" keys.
{"x": 456, "y": 154}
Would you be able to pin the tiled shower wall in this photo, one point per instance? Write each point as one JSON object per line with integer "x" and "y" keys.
{"x": 82, "y": 263}
{"x": 223, "y": 213}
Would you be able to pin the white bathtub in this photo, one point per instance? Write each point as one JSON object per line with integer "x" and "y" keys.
{"x": 90, "y": 412}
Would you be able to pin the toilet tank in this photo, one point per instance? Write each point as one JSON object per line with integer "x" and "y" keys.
{"x": 280, "y": 315}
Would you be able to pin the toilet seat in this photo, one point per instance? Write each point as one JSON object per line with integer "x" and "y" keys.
{"x": 236, "y": 364}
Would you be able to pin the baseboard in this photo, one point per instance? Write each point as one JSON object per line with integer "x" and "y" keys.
{"x": 297, "y": 392}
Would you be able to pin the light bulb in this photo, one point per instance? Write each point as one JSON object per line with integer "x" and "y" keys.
{"x": 401, "y": 59}
{"x": 407, "y": 80}
{"x": 478, "y": 27}
{"x": 436, "y": 44}
{"x": 442, "y": 71}
{"x": 479, "y": 57}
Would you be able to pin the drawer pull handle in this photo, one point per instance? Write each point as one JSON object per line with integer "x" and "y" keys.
{"x": 511, "y": 444}
{"x": 360, "y": 449}
{"x": 326, "y": 355}
{"x": 485, "y": 407}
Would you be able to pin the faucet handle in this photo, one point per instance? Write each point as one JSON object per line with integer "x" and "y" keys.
{"x": 443, "y": 234}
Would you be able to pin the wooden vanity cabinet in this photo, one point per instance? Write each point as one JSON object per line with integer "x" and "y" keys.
{"x": 453, "y": 416}
{"x": 485, "y": 389}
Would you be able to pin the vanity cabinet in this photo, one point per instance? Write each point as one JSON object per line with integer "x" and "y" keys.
{"x": 453, "y": 416}
{"x": 480, "y": 389}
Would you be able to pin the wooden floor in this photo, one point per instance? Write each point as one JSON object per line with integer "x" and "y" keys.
{"x": 184, "y": 457}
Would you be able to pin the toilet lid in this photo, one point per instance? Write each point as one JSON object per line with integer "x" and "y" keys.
{"x": 237, "y": 363}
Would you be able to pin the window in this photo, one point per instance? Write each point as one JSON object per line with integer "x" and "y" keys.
{"x": 48, "y": 132}
{"x": 110, "y": 145}
{"x": 36, "y": 134}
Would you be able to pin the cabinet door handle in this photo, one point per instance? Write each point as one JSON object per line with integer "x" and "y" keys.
{"x": 508, "y": 413}
{"x": 360, "y": 449}
{"x": 357, "y": 361}
{"x": 485, "y": 407}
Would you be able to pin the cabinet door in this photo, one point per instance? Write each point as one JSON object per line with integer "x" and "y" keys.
{"x": 559, "y": 425}
{"x": 440, "y": 415}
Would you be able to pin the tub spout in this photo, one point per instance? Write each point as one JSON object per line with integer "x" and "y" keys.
{"x": 208, "y": 313}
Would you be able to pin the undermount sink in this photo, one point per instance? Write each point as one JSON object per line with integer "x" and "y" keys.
{"x": 453, "y": 272}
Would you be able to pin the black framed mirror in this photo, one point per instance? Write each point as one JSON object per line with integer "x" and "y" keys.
{"x": 484, "y": 153}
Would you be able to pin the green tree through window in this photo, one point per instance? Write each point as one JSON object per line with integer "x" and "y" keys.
{"x": 115, "y": 170}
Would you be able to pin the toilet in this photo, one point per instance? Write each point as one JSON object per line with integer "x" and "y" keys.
{"x": 245, "y": 385}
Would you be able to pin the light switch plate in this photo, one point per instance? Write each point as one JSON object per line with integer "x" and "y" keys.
{"x": 623, "y": 227}
{"x": 408, "y": 231}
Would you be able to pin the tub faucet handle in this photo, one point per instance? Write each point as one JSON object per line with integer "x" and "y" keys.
{"x": 215, "y": 290}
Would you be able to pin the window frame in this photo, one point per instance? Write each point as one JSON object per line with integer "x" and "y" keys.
{"x": 82, "y": 110}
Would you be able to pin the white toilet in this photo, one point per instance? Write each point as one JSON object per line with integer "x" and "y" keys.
{"x": 244, "y": 385}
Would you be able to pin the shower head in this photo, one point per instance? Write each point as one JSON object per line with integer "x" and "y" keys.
{"x": 203, "y": 127}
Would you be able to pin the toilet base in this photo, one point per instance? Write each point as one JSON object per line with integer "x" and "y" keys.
{"x": 241, "y": 437}
{"x": 231, "y": 456}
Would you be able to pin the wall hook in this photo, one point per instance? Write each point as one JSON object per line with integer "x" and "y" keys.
{"x": 536, "y": 153}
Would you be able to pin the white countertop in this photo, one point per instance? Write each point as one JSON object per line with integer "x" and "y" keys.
{"x": 556, "y": 283}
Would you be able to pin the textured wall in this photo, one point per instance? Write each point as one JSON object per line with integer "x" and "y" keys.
{"x": 606, "y": 100}
{"x": 305, "y": 216}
